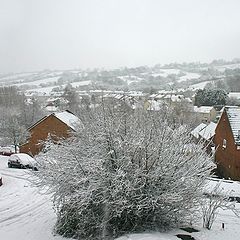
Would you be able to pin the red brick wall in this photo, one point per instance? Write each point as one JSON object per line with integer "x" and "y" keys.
{"x": 228, "y": 159}
{"x": 50, "y": 125}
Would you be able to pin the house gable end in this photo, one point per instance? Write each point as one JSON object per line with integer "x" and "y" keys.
{"x": 224, "y": 130}
{"x": 39, "y": 133}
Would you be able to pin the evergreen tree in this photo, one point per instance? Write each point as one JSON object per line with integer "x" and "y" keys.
{"x": 210, "y": 97}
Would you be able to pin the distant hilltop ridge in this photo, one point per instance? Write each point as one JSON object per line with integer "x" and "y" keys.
{"x": 173, "y": 76}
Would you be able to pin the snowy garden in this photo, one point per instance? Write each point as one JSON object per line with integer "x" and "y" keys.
{"x": 123, "y": 174}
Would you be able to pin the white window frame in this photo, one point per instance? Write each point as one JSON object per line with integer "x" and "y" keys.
{"x": 224, "y": 144}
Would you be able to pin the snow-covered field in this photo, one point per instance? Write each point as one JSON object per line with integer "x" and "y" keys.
{"x": 48, "y": 90}
{"x": 228, "y": 66}
{"x": 38, "y": 82}
{"x": 200, "y": 85}
{"x": 16, "y": 76}
{"x": 189, "y": 76}
{"x": 81, "y": 83}
{"x": 26, "y": 214}
{"x": 44, "y": 90}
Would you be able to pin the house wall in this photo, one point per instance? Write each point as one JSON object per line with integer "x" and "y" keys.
{"x": 206, "y": 117}
{"x": 227, "y": 159}
{"x": 213, "y": 115}
{"x": 50, "y": 125}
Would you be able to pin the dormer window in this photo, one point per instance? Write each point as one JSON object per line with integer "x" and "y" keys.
{"x": 224, "y": 143}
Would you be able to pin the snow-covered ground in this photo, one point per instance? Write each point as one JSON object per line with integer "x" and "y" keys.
{"x": 44, "y": 90}
{"x": 228, "y": 66}
{"x": 231, "y": 221}
{"x": 38, "y": 82}
{"x": 189, "y": 76}
{"x": 47, "y": 90}
{"x": 26, "y": 214}
{"x": 81, "y": 83}
{"x": 200, "y": 85}
{"x": 16, "y": 76}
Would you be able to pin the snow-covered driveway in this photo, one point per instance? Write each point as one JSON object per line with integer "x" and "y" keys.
{"x": 25, "y": 214}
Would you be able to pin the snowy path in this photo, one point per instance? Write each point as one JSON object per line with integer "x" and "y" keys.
{"x": 25, "y": 214}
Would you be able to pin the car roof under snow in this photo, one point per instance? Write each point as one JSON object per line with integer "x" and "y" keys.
{"x": 22, "y": 157}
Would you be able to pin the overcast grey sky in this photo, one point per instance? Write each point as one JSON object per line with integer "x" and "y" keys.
{"x": 61, "y": 34}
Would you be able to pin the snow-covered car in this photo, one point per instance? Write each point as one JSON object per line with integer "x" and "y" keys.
{"x": 6, "y": 151}
{"x": 22, "y": 160}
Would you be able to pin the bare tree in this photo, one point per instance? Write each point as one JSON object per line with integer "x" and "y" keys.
{"x": 13, "y": 132}
{"x": 213, "y": 201}
{"x": 72, "y": 98}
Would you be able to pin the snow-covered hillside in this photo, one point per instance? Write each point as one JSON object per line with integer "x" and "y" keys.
{"x": 229, "y": 66}
{"x": 200, "y": 85}
{"x": 184, "y": 77}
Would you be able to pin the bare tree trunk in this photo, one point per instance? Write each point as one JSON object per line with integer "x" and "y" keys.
{"x": 105, "y": 232}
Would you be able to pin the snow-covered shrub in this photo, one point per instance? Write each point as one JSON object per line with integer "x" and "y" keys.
{"x": 124, "y": 172}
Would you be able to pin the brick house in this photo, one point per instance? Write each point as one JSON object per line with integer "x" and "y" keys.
{"x": 56, "y": 125}
{"x": 227, "y": 142}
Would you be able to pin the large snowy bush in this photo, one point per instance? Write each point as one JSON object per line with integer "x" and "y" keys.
{"x": 124, "y": 172}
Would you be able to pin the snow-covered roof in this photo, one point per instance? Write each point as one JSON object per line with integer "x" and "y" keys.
{"x": 202, "y": 109}
{"x": 154, "y": 105}
{"x": 233, "y": 113}
{"x": 153, "y": 95}
{"x": 177, "y": 98}
{"x": 51, "y": 108}
{"x": 135, "y": 93}
{"x": 69, "y": 119}
{"x": 205, "y": 131}
{"x": 235, "y": 95}
{"x": 167, "y": 92}
{"x": 172, "y": 97}
{"x": 221, "y": 110}
{"x": 195, "y": 131}
{"x": 209, "y": 131}
{"x": 156, "y": 96}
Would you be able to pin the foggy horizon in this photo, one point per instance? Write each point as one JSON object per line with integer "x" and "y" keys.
{"x": 111, "y": 34}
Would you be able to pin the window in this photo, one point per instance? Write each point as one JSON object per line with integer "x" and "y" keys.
{"x": 224, "y": 143}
